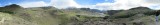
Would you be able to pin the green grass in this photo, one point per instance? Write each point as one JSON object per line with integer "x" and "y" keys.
{"x": 10, "y": 12}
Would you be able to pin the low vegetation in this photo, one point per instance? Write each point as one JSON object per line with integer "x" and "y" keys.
{"x": 134, "y": 11}
{"x": 16, "y": 15}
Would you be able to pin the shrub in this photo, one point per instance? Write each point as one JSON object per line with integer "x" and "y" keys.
{"x": 8, "y": 12}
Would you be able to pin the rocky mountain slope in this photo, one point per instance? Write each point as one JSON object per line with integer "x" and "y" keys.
{"x": 16, "y": 15}
{"x": 134, "y": 16}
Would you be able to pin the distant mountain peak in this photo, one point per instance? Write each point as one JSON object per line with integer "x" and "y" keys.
{"x": 137, "y": 8}
{"x": 13, "y": 6}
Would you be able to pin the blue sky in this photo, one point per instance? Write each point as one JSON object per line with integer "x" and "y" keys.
{"x": 7, "y": 2}
{"x": 92, "y": 2}
{"x": 81, "y": 2}
{"x": 89, "y": 2}
{"x": 96, "y": 4}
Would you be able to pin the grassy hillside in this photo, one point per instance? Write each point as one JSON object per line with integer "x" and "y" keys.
{"x": 53, "y": 16}
{"x": 134, "y": 11}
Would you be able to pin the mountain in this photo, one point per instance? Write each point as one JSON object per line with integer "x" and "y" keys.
{"x": 134, "y": 11}
{"x": 85, "y": 11}
{"x": 12, "y": 7}
{"x": 49, "y": 15}
{"x": 133, "y": 16}
{"x": 17, "y": 15}
{"x": 111, "y": 12}
{"x": 140, "y": 8}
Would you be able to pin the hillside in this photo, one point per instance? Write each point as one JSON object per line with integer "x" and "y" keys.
{"x": 16, "y": 15}
{"x": 134, "y": 11}
{"x": 134, "y": 16}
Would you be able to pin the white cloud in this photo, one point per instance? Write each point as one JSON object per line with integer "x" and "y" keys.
{"x": 33, "y": 4}
{"x": 64, "y": 3}
{"x": 117, "y": 5}
{"x": 126, "y": 4}
{"x": 153, "y": 1}
{"x": 121, "y": 4}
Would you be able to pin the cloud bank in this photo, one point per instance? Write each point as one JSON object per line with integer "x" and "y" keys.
{"x": 65, "y": 3}
{"x": 127, "y": 4}
{"x": 33, "y": 4}
{"x": 117, "y": 5}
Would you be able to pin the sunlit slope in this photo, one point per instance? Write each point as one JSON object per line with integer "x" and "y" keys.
{"x": 40, "y": 16}
{"x": 9, "y": 19}
{"x": 47, "y": 16}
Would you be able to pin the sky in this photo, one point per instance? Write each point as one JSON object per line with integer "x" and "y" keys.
{"x": 94, "y": 4}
